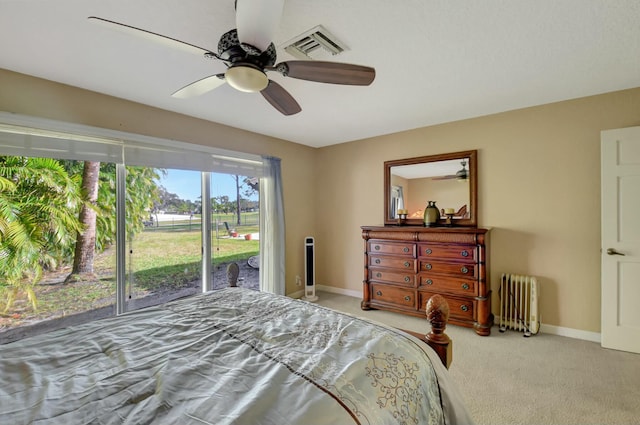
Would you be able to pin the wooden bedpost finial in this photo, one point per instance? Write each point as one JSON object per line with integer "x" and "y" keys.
{"x": 438, "y": 314}
{"x": 437, "y": 310}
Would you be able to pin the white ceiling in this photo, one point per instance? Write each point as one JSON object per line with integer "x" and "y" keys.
{"x": 436, "y": 61}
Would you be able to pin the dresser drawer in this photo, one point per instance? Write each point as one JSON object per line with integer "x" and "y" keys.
{"x": 454, "y": 269}
{"x": 449, "y": 252}
{"x": 407, "y": 278}
{"x": 459, "y": 286}
{"x": 459, "y": 308}
{"x": 393, "y": 295}
{"x": 392, "y": 248}
{"x": 390, "y": 262}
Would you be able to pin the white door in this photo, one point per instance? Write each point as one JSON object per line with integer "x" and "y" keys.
{"x": 621, "y": 239}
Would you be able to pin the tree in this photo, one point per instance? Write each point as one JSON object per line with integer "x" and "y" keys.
{"x": 86, "y": 239}
{"x": 142, "y": 194}
{"x": 36, "y": 228}
{"x": 252, "y": 186}
{"x": 99, "y": 210}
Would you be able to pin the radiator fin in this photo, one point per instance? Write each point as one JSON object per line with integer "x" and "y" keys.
{"x": 519, "y": 303}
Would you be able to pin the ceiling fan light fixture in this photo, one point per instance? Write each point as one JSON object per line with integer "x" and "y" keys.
{"x": 246, "y": 78}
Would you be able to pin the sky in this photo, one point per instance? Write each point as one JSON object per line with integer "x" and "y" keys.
{"x": 186, "y": 184}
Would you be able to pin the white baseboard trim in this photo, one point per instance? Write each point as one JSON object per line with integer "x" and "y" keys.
{"x": 547, "y": 329}
{"x": 324, "y": 288}
{"x": 297, "y": 294}
{"x": 341, "y": 291}
{"x": 571, "y": 333}
{"x": 562, "y": 331}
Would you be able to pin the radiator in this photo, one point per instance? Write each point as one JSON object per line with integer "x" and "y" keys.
{"x": 519, "y": 303}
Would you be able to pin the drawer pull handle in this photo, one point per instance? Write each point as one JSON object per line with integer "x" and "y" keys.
{"x": 377, "y": 261}
{"x": 379, "y": 293}
{"x": 378, "y": 274}
{"x": 405, "y": 249}
{"x": 377, "y": 247}
{"x": 429, "y": 282}
{"x": 428, "y": 251}
{"x": 428, "y": 266}
{"x": 407, "y": 279}
{"x": 465, "y": 286}
{"x": 464, "y": 308}
{"x": 407, "y": 298}
{"x": 464, "y": 270}
{"x": 407, "y": 264}
{"x": 465, "y": 253}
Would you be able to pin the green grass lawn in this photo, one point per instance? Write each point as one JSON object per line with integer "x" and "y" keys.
{"x": 161, "y": 260}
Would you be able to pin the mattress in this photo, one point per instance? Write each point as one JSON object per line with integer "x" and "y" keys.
{"x": 230, "y": 356}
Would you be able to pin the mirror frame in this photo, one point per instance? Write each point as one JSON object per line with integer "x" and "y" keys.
{"x": 472, "y": 221}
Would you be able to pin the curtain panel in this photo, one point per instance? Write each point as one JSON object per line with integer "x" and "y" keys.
{"x": 272, "y": 245}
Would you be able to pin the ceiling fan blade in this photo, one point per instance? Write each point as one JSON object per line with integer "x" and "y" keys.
{"x": 257, "y": 21}
{"x": 162, "y": 39}
{"x": 327, "y": 72}
{"x": 280, "y": 99}
{"x": 200, "y": 87}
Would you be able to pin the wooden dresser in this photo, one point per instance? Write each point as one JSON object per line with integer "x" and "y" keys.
{"x": 405, "y": 265}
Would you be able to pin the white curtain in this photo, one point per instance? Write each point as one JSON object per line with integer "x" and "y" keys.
{"x": 272, "y": 264}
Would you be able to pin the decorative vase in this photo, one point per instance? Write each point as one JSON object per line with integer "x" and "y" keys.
{"x": 431, "y": 214}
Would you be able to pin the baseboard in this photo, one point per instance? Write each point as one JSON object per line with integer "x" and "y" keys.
{"x": 323, "y": 288}
{"x": 547, "y": 329}
{"x": 340, "y": 291}
{"x": 571, "y": 333}
{"x": 562, "y": 331}
{"x": 297, "y": 294}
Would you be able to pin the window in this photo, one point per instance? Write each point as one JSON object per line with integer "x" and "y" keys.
{"x": 136, "y": 234}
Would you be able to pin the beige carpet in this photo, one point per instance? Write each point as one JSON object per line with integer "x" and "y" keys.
{"x": 545, "y": 379}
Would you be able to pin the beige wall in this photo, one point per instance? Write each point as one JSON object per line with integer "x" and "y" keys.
{"x": 31, "y": 96}
{"x": 539, "y": 183}
{"x": 539, "y": 191}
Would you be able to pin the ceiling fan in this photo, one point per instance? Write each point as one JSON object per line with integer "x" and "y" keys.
{"x": 461, "y": 174}
{"x": 249, "y": 53}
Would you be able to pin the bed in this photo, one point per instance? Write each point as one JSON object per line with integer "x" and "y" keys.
{"x": 230, "y": 356}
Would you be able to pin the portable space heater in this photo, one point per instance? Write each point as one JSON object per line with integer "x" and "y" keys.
{"x": 309, "y": 270}
{"x": 519, "y": 303}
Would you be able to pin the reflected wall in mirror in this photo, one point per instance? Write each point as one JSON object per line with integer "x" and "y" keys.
{"x": 448, "y": 179}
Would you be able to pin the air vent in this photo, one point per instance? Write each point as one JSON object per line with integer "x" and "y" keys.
{"x": 317, "y": 43}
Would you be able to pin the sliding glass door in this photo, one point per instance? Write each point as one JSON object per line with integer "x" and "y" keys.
{"x": 164, "y": 236}
{"x": 86, "y": 234}
{"x": 235, "y": 228}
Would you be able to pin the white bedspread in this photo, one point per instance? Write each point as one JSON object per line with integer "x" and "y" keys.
{"x": 231, "y": 356}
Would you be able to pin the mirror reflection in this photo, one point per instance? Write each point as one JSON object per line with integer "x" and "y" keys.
{"x": 447, "y": 179}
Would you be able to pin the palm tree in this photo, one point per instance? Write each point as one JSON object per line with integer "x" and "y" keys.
{"x": 86, "y": 239}
{"x": 38, "y": 221}
{"x": 98, "y": 214}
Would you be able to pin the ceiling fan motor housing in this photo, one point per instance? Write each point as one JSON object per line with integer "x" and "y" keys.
{"x": 231, "y": 50}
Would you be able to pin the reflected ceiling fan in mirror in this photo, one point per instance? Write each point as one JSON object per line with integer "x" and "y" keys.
{"x": 460, "y": 175}
{"x": 249, "y": 53}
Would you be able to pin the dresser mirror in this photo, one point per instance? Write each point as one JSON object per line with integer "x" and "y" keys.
{"x": 448, "y": 179}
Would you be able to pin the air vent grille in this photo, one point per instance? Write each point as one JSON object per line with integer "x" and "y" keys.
{"x": 317, "y": 43}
